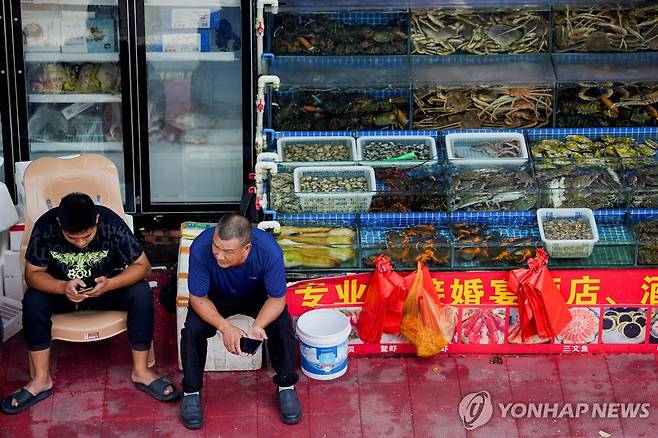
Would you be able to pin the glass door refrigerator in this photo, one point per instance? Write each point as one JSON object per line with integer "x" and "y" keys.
{"x": 6, "y": 150}
{"x": 195, "y": 136}
{"x": 72, "y": 76}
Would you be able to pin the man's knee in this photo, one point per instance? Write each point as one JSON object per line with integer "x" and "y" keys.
{"x": 140, "y": 295}
{"x": 34, "y": 302}
{"x": 195, "y": 327}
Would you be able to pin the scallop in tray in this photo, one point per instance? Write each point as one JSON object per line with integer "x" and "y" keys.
{"x": 396, "y": 150}
{"x": 317, "y": 150}
{"x": 486, "y": 148}
{"x": 334, "y": 189}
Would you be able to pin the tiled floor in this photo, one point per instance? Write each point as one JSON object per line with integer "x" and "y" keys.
{"x": 392, "y": 397}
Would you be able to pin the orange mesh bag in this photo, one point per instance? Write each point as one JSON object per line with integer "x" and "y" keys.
{"x": 542, "y": 310}
{"x": 382, "y": 306}
{"x": 426, "y": 322}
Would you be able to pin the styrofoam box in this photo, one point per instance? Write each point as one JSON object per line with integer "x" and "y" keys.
{"x": 218, "y": 357}
{"x": 12, "y": 275}
{"x": 568, "y": 248}
{"x": 335, "y": 202}
{"x": 429, "y": 142}
{"x": 349, "y": 142}
{"x": 11, "y": 312}
{"x": 461, "y": 144}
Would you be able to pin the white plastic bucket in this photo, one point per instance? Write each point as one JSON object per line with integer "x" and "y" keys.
{"x": 323, "y": 337}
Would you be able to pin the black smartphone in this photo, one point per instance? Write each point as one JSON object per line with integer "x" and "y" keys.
{"x": 249, "y": 346}
{"x": 89, "y": 282}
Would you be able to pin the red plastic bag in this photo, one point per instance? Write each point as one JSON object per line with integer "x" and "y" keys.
{"x": 542, "y": 310}
{"x": 382, "y": 307}
{"x": 426, "y": 322}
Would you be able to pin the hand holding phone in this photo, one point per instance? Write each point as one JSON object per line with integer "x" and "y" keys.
{"x": 249, "y": 346}
{"x": 90, "y": 284}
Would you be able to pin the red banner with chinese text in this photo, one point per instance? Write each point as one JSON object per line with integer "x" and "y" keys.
{"x": 614, "y": 310}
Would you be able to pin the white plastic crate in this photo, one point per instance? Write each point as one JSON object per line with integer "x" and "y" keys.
{"x": 575, "y": 248}
{"x": 459, "y": 147}
{"x": 11, "y": 312}
{"x": 335, "y": 202}
{"x": 346, "y": 141}
{"x": 405, "y": 140}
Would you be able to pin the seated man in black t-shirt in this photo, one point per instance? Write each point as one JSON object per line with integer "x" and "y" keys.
{"x": 84, "y": 257}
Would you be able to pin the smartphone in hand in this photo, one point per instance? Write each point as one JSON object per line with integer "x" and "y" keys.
{"x": 90, "y": 284}
{"x": 249, "y": 346}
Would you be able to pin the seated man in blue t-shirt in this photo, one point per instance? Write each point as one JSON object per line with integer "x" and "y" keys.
{"x": 236, "y": 269}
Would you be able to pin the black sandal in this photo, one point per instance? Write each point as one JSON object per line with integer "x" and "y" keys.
{"x": 157, "y": 389}
{"x": 25, "y": 400}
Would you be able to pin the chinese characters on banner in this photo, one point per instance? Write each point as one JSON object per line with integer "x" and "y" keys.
{"x": 597, "y": 300}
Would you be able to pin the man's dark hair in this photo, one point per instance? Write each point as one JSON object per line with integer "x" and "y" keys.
{"x": 76, "y": 212}
{"x": 234, "y": 226}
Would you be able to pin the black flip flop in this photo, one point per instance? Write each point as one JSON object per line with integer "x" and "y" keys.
{"x": 24, "y": 398}
{"x": 156, "y": 389}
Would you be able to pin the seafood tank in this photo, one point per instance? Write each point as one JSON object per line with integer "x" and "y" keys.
{"x": 605, "y": 27}
{"x": 405, "y": 239}
{"x": 606, "y": 89}
{"x": 329, "y": 245}
{"x": 490, "y": 188}
{"x": 479, "y": 31}
{"x": 339, "y": 109}
{"x": 590, "y": 183}
{"x": 475, "y": 107}
{"x": 607, "y": 104}
{"x": 339, "y": 33}
{"x": 641, "y": 176}
{"x": 409, "y": 189}
{"x": 490, "y": 92}
{"x": 494, "y": 239}
{"x": 644, "y": 224}
{"x": 615, "y": 248}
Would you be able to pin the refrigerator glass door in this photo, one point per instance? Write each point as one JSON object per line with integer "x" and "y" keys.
{"x": 194, "y": 92}
{"x": 73, "y": 79}
{"x": 2, "y": 153}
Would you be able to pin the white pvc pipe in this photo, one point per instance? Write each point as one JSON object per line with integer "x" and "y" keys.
{"x": 267, "y": 156}
{"x": 260, "y": 28}
{"x": 260, "y": 171}
{"x": 260, "y": 107}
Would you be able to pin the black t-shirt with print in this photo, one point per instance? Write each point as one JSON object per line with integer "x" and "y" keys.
{"x": 112, "y": 249}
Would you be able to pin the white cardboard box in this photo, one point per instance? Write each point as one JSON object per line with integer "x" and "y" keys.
{"x": 16, "y": 237}
{"x": 12, "y": 276}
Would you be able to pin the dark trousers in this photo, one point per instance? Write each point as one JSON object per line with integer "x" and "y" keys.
{"x": 137, "y": 300}
{"x": 281, "y": 343}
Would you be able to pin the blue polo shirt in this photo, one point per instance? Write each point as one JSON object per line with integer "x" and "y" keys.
{"x": 262, "y": 271}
